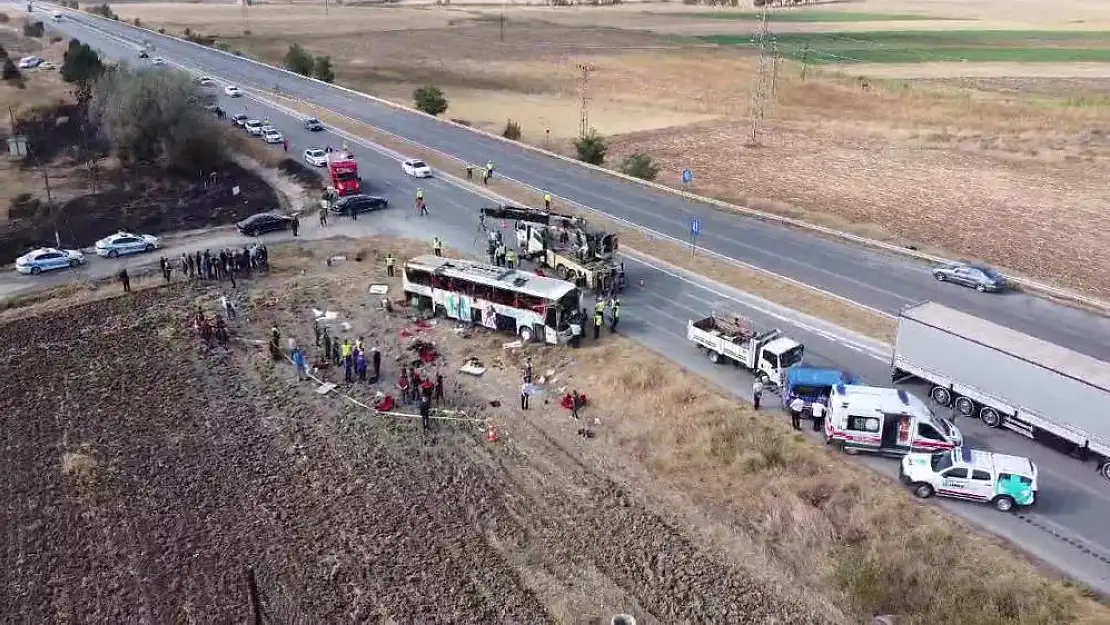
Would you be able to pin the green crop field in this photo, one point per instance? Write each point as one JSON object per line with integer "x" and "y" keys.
{"x": 809, "y": 16}
{"x": 971, "y": 46}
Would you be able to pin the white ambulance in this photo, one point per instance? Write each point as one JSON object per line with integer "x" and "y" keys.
{"x": 885, "y": 421}
{"x": 1006, "y": 481}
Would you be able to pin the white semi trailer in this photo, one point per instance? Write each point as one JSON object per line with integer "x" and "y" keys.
{"x": 1006, "y": 378}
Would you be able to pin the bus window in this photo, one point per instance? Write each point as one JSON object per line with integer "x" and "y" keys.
{"x": 418, "y": 277}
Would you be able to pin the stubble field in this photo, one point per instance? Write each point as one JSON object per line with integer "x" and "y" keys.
{"x": 948, "y": 166}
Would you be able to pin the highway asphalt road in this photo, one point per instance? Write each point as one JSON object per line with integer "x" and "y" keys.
{"x": 879, "y": 280}
{"x": 1066, "y": 530}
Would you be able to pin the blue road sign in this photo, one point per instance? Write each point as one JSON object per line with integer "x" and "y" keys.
{"x": 687, "y": 176}
{"x": 695, "y": 227}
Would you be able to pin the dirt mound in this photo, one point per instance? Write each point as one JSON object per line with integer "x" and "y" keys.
{"x": 152, "y": 484}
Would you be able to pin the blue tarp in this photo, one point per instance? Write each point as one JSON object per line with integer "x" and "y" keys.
{"x": 804, "y": 381}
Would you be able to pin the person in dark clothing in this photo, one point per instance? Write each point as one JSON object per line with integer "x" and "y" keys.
{"x": 360, "y": 366}
{"x": 524, "y": 392}
{"x": 575, "y": 403}
{"x": 376, "y": 362}
{"x": 125, "y": 280}
{"x": 335, "y": 356}
{"x": 316, "y": 332}
{"x": 426, "y": 414}
{"x": 296, "y": 225}
{"x": 439, "y": 387}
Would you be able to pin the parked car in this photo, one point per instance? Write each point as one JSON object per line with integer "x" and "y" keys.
{"x": 232, "y": 91}
{"x": 262, "y": 223}
{"x": 239, "y": 120}
{"x": 48, "y": 259}
{"x": 978, "y": 277}
{"x": 416, "y": 168}
{"x": 143, "y": 54}
{"x": 123, "y": 243}
{"x": 316, "y": 157}
{"x": 272, "y": 135}
{"x": 158, "y": 61}
{"x": 313, "y": 124}
{"x": 1005, "y": 481}
{"x": 253, "y": 126}
{"x": 359, "y": 204}
{"x": 205, "y": 81}
{"x": 29, "y": 62}
{"x": 47, "y": 65}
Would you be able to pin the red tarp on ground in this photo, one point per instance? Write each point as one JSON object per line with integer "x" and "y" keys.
{"x": 568, "y": 401}
{"x": 385, "y": 404}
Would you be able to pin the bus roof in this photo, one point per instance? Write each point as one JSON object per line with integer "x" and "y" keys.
{"x": 521, "y": 281}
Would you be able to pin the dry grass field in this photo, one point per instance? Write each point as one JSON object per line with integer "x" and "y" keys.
{"x": 683, "y": 506}
{"x": 999, "y": 156}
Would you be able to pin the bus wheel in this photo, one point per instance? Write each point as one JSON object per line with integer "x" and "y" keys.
{"x": 1105, "y": 470}
{"x": 561, "y": 271}
{"x": 526, "y": 334}
{"x": 965, "y": 407}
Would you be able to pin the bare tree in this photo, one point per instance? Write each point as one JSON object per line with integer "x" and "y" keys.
{"x": 154, "y": 116}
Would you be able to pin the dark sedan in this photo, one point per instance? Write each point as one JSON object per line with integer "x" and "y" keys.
{"x": 312, "y": 124}
{"x": 978, "y": 277}
{"x": 359, "y": 204}
{"x": 264, "y": 222}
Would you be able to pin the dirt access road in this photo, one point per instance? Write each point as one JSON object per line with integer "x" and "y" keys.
{"x": 165, "y": 468}
{"x": 938, "y": 166}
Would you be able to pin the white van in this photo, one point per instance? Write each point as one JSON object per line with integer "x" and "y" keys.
{"x": 1006, "y": 481}
{"x": 57, "y": 16}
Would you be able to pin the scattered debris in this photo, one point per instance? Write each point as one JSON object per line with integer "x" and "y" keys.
{"x": 473, "y": 367}
{"x": 379, "y": 289}
{"x": 517, "y": 344}
{"x": 326, "y": 388}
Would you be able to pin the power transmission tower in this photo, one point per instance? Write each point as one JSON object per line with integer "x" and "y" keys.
{"x": 764, "y": 84}
{"x": 584, "y": 115}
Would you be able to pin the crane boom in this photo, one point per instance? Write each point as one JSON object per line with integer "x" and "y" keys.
{"x": 533, "y": 215}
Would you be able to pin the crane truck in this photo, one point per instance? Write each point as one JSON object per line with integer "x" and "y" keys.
{"x": 565, "y": 244}
{"x": 1007, "y": 379}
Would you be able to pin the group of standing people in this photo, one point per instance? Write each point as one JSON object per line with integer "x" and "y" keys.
{"x": 357, "y": 362}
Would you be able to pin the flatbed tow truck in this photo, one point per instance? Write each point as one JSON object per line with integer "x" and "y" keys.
{"x": 564, "y": 244}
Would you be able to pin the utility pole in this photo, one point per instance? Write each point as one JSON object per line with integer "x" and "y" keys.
{"x": 764, "y": 80}
{"x": 584, "y": 115}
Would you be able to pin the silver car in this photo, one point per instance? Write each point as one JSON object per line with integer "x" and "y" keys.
{"x": 124, "y": 243}
{"x": 978, "y": 277}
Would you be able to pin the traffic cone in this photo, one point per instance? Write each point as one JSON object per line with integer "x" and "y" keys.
{"x": 491, "y": 434}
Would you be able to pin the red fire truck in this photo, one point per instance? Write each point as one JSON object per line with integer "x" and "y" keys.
{"x": 344, "y": 173}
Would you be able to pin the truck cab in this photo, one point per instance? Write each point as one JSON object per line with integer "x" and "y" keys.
{"x": 813, "y": 383}
{"x": 734, "y": 339}
{"x": 343, "y": 170}
{"x": 1003, "y": 480}
{"x": 885, "y": 421}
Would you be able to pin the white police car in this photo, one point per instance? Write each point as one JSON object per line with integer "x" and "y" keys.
{"x": 48, "y": 259}
{"x": 124, "y": 243}
{"x": 1003, "y": 480}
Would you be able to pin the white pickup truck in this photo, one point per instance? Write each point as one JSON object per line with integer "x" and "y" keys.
{"x": 733, "y": 339}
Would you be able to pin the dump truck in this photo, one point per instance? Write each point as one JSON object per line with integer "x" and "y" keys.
{"x": 343, "y": 170}
{"x": 1006, "y": 378}
{"x": 731, "y": 338}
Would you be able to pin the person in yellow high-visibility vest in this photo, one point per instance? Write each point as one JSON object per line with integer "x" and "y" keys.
{"x": 437, "y": 246}
{"x": 547, "y": 201}
{"x": 510, "y": 259}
